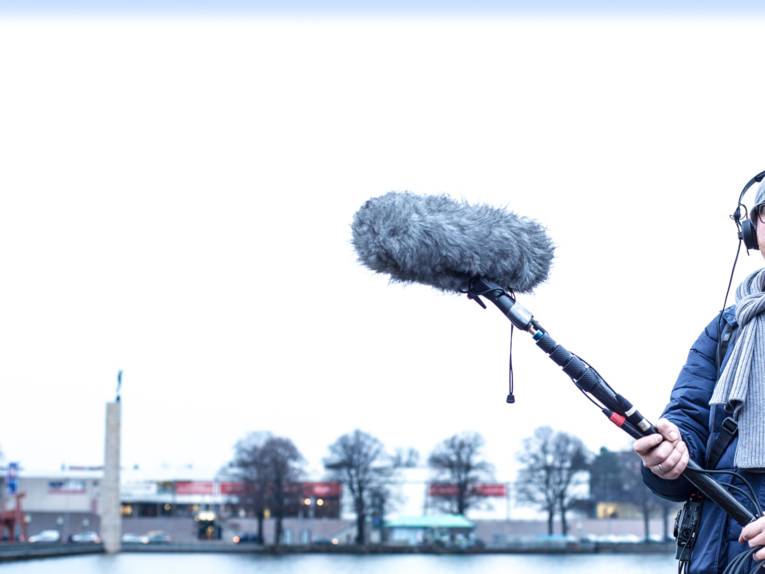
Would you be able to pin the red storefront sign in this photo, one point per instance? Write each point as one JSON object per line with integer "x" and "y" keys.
{"x": 195, "y": 487}
{"x": 317, "y": 489}
{"x": 441, "y": 489}
{"x": 449, "y": 490}
{"x": 232, "y": 488}
{"x": 322, "y": 489}
{"x": 496, "y": 489}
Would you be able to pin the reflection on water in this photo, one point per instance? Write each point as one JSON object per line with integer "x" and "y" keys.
{"x": 329, "y": 564}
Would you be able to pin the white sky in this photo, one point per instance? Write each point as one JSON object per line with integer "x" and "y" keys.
{"x": 176, "y": 199}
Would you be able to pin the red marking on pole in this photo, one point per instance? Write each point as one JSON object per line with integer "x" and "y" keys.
{"x": 617, "y": 419}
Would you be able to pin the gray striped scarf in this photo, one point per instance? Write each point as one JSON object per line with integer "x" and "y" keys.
{"x": 743, "y": 378}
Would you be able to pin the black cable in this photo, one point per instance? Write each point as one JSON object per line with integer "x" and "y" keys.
{"x": 743, "y": 492}
{"x": 602, "y": 380}
{"x": 736, "y": 565}
{"x": 739, "y": 563}
{"x": 751, "y": 494}
{"x": 727, "y": 293}
{"x": 511, "y": 378}
{"x": 591, "y": 399}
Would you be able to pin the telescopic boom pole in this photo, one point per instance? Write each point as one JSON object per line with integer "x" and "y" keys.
{"x": 615, "y": 407}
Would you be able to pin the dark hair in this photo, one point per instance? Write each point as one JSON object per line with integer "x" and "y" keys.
{"x": 753, "y": 213}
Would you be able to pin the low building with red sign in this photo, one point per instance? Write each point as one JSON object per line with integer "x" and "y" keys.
{"x": 67, "y": 500}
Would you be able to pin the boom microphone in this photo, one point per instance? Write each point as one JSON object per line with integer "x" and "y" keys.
{"x": 483, "y": 251}
{"x": 444, "y": 243}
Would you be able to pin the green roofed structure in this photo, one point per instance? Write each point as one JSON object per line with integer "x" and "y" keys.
{"x": 434, "y": 521}
{"x": 436, "y": 528}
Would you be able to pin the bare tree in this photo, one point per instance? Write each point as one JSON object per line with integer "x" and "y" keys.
{"x": 251, "y": 468}
{"x": 551, "y": 466}
{"x": 535, "y": 482}
{"x": 284, "y": 466}
{"x": 266, "y": 465}
{"x": 458, "y": 461}
{"x": 573, "y": 459}
{"x": 359, "y": 461}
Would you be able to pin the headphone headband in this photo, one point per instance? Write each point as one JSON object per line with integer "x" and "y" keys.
{"x": 747, "y": 230}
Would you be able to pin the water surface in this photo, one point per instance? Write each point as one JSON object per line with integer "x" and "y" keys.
{"x": 333, "y": 564}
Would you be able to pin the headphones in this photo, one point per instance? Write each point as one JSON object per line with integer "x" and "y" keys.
{"x": 747, "y": 231}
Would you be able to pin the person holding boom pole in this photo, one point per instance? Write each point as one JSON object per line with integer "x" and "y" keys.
{"x": 716, "y": 417}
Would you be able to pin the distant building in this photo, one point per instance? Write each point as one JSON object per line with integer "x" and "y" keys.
{"x": 187, "y": 503}
{"x": 185, "y": 494}
{"x": 63, "y": 500}
{"x": 67, "y": 500}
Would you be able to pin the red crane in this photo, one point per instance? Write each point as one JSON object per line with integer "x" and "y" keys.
{"x": 10, "y": 518}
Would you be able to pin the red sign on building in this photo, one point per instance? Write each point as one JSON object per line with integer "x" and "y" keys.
{"x": 317, "y": 489}
{"x": 322, "y": 489}
{"x": 449, "y": 490}
{"x": 231, "y": 487}
{"x": 495, "y": 489}
{"x": 195, "y": 487}
{"x": 442, "y": 489}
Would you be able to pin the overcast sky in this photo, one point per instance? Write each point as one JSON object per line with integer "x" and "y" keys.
{"x": 176, "y": 193}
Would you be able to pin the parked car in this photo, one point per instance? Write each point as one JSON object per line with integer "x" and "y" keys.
{"x": 128, "y": 538}
{"x": 87, "y": 537}
{"x": 45, "y": 536}
{"x": 247, "y": 538}
{"x": 158, "y": 537}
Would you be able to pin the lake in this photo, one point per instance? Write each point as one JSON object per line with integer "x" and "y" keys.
{"x": 333, "y": 564}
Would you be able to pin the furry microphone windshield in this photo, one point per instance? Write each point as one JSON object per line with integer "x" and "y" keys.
{"x": 444, "y": 243}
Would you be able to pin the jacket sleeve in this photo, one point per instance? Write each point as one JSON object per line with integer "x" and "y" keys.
{"x": 689, "y": 407}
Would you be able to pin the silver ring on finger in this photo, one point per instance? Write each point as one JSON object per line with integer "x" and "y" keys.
{"x": 659, "y": 468}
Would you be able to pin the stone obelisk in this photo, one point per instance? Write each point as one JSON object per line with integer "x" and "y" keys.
{"x": 111, "y": 517}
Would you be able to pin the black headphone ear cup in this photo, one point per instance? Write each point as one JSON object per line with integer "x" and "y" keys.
{"x": 749, "y": 234}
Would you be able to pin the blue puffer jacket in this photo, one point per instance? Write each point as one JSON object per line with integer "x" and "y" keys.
{"x": 689, "y": 409}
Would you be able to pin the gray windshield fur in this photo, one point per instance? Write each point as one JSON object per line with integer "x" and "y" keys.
{"x": 443, "y": 243}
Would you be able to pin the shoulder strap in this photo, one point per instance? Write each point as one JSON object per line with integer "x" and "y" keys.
{"x": 728, "y": 431}
{"x": 729, "y": 427}
{"x": 722, "y": 344}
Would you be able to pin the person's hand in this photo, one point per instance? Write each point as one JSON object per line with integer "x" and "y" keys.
{"x": 664, "y": 453}
{"x": 754, "y": 534}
